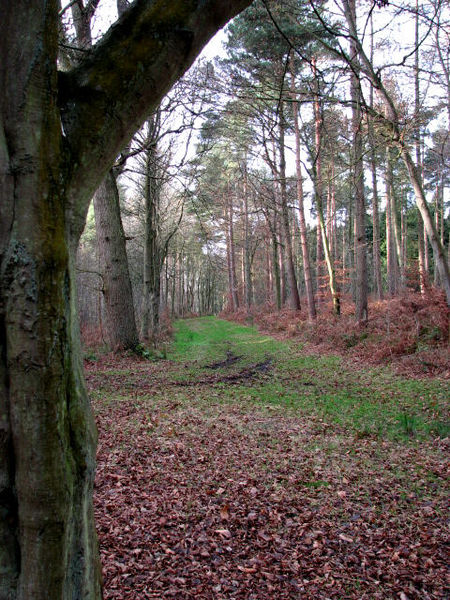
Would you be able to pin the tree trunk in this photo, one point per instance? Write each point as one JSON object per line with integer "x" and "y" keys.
{"x": 396, "y": 234}
{"x": 269, "y": 273}
{"x": 403, "y": 241}
{"x": 391, "y": 254}
{"x": 378, "y": 280}
{"x": 317, "y": 171}
{"x": 347, "y": 245}
{"x": 421, "y": 238}
{"x": 322, "y": 241}
{"x": 276, "y": 268}
{"x": 376, "y": 230}
{"x": 292, "y": 278}
{"x": 153, "y": 261}
{"x": 282, "y": 266}
{"x": 331, "y": 209}
{"x": 330, "y": 267}
{"x": 121, "y": 328}
{"x": 246, "y": 249}
{"x": 361, "y": 312}
{"x": 423, "y": 283}
{"x": 231, "y": 252}
{"x": 48, "y": 546}
{"x": 301, "y": 214}
{"x": 436, "y": 224}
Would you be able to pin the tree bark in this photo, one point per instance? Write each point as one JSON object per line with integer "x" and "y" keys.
{"x": 276, "y": 266}
{"x": 391, "y": 254}
{"x": 246, "y": 249}
{"x": 326, "y": 248}
{"x": 376, "y": 229}
{"x": 322, "y": 240}
{"x": 395, "y": 228}
{"x": 121, "y": 330}
{"x": 48, "y": 545}
{"x": 229, "y": 219}
{"x": 378, "y": 280}
{"x": 151, "y": 294}
{"x": 421, "y": 238}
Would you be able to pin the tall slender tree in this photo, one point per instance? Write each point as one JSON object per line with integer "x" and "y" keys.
{"x": 361, "y": 288}
{"x": 301, "y": 209}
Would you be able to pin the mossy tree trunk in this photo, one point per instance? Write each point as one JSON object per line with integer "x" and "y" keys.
{"x": 47, "y": 434}
{"x": 48, "y": 174}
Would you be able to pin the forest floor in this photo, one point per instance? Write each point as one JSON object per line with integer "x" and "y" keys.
{"x": 241, "y": 467}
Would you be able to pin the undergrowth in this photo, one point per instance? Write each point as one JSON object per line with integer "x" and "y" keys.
{"x": 410, "y": 332}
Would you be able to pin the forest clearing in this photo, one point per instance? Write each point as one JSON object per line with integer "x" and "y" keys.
{"x": 245, "y": 467}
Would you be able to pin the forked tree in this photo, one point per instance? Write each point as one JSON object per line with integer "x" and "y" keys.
{"x": 59, "y": 135}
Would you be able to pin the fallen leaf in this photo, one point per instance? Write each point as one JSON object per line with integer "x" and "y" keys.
{"x": 225, "y": 512}
{"x": 247, "y": 569}
{"x": 225, "y": 533}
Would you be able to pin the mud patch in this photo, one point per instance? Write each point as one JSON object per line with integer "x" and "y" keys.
{"x": 231, "y": 359}
{"x": 246, "y": 374}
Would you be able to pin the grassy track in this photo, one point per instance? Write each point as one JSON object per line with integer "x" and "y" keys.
{"x": 366, "y": 401}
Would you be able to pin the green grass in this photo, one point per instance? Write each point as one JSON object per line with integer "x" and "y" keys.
{"x": 369, "y": 402}
{"x": 207, "y": 339}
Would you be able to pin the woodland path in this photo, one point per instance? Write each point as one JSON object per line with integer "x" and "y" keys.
{"x": 243, "y": 468}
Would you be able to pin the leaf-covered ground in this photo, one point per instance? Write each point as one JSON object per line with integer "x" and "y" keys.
{"x": 219, "y": 478}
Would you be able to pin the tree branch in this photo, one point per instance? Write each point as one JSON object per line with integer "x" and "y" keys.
{"x": 108, "y": 95}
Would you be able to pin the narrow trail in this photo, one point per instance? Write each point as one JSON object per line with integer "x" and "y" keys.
{"x": 217, "y": 488}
